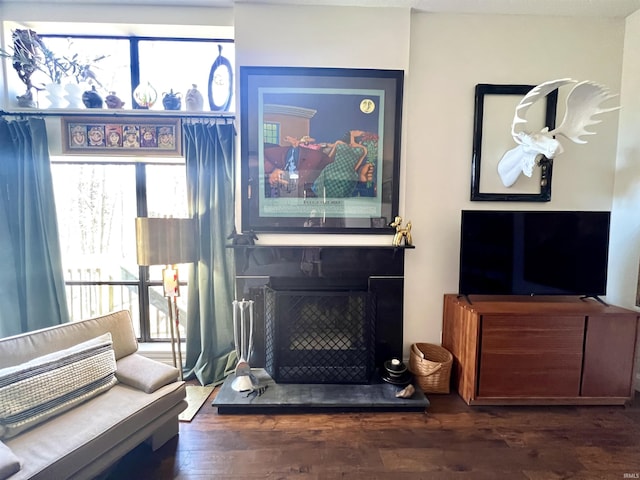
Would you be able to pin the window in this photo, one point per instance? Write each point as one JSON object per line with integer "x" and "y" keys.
{"x": 271, "y": 132}
{"x": 117, "y": 65}
{"x": 97, "y": 204}
{"x": 98, "y": 198}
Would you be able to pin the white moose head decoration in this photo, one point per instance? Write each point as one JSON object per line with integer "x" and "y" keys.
{"x": 583, "y": 103}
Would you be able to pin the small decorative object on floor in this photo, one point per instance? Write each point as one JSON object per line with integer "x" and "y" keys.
{"x": 91, "y": 98}
{"x": 194, "y": 99}
{"x": 172, "y": 101}
{"x": 402, "y": 233}
{"x": 145, "y": 95}
{"x": 431, "y": 365}
{"x": 113, "y": 101}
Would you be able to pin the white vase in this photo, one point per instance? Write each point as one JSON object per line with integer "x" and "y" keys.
{"x": 74, "y": 94}
{"x": 194, "y": 100}
{"x": 55, "y": 95}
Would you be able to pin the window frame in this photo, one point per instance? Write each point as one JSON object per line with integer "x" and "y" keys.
{"x": 143, "y": 284}
{"x": 134, "y": 54}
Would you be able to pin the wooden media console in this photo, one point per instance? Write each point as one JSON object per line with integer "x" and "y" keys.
{"x": 546, "y": 350}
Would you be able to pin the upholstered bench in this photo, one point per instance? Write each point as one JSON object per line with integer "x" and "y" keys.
{"x": 76, "y": 397}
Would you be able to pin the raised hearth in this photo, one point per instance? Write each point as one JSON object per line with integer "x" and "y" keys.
{"x": 377, "y": 396}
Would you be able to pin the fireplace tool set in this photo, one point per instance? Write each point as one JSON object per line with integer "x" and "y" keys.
{"x": 245, "y": 380}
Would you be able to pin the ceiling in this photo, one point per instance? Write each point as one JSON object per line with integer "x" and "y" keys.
{"x": 593, "y": 8}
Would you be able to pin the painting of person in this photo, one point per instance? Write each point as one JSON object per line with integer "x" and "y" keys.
{"x": 340, "y": 178}
{"x": 130, "y": 136}
{"x": 148, "y": 137}
{"x": 95, "y": 133}
{"x": 78, "y": 137}
{"x": 166, "y": 138}
{"x": 341, "y": 169}
{"x": 291, "y": 170}
{"x": 114, "y": 136}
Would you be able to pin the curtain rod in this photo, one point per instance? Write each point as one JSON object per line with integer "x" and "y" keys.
{"x": 118, "y": 113}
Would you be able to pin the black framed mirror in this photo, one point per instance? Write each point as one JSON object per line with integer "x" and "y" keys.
{"x": 494, "y": 110}
{"x": 220, "y": 83}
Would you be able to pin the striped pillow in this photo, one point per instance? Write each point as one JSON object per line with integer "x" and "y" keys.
{"x": 46, "y": 386}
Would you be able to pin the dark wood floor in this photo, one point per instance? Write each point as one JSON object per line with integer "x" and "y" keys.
{"x": 449, "y": 440}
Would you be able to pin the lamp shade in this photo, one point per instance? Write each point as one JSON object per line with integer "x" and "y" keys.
{"x": 165, "y": 241}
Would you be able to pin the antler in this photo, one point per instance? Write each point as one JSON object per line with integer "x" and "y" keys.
{"x": 583, "y": 103}
{"x": 535, "y": 94}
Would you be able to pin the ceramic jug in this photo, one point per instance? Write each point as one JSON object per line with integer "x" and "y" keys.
{"x": 194, "y": 99}
{"x": 171, "y": 101}
{"x": 113, "y": 101}
{"x": 91, "y": 98}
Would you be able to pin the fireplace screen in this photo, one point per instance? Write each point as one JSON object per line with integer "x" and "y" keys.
{"x": 319, "y": 336}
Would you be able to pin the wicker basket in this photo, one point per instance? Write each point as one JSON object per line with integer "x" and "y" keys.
{"x": 431, "y": 366}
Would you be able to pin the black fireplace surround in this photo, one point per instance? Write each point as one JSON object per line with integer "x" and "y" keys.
{"x": 330, "y": 314}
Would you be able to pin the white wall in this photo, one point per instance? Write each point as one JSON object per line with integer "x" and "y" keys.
{"x": 322, "y": 37}
{"x": 450, "y": 54}
{"x": 444, "y": 56}
{"x": 625, "y": 239}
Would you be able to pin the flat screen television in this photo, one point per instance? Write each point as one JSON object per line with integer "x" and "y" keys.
{"x": 534, "y": 252}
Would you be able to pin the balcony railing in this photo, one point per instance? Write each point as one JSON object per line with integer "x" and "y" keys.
{"x": 87, "y": 297}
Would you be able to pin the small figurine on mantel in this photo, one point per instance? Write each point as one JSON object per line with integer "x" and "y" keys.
{"x": 402, "y": 233}
{"x": 244, "y": 239}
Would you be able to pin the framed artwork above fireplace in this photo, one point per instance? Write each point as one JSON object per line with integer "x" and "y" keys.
{"x": 320, "y": 149}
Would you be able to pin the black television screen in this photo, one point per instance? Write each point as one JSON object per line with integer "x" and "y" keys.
{"x": 534, "y": 252}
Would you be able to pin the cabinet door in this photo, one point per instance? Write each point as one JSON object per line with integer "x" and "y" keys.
{"x": 608, "y": 356}
{"x": 531, "y": 356}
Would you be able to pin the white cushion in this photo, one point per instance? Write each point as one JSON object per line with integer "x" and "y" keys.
{"x": 145, "y": 374}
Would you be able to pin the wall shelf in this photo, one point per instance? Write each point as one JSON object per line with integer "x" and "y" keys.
{"x": 105, "y": 112}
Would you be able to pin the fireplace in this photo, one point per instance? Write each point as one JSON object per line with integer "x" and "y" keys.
{"x": 319, "y": 336}
{"x": 323, "y": 314}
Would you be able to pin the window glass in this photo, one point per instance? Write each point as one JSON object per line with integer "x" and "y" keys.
{"x": 108, "y": 60}
{"x": 167, "y": 191}
{"x": 173, "y": 65}
{"x": 96, "y": 207}
{"x": 159, "y": 321}
{"x": 271, "y": 133}
{"x": 166, "y": 197}
{"x": 86, "y": 301}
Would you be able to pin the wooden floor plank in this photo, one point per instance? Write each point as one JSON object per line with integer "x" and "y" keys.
{"x": 450, "y": 440}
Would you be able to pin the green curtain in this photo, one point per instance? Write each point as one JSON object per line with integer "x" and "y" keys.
{"x": 33, "y": 292}
{"x": 209, "y": 154}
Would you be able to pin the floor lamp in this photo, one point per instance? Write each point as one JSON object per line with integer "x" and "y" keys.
{"x": 168, "y": 242}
